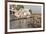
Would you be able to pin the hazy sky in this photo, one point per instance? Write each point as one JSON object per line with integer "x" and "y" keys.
{"x": 35, "y": 9}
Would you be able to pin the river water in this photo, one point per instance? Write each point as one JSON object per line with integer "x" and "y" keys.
{"x": 22, "y": 23}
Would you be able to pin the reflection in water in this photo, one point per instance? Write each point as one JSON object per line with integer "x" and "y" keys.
{"x": 24, "y": 23}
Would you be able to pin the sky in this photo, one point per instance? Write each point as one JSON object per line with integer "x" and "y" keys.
{"x": 35, "y": 9}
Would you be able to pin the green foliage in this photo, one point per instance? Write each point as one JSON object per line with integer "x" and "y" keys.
{"x": 19, "y": 7}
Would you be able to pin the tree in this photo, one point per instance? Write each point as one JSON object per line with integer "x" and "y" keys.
{"x": 30, "y": 11}
{"x": 19, "y": 7}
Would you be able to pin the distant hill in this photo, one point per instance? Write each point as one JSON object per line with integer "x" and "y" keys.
{"x": 36, "y": 13}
